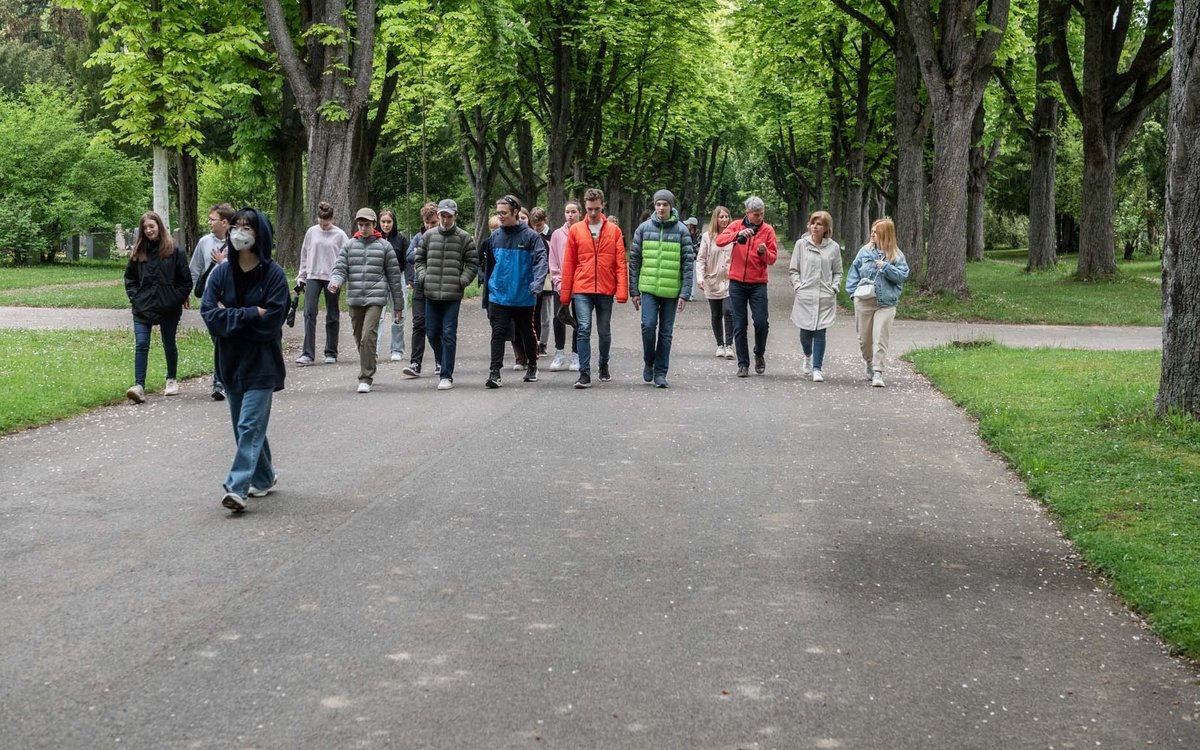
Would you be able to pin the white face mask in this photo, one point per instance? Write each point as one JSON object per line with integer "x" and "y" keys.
{"x": 242, "y": 238}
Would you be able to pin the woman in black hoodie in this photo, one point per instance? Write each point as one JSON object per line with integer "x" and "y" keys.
{"x": 245, "y": 303}
{"x": 157, "y": 282}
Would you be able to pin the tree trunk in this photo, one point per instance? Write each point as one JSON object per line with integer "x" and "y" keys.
{"x": 360, "y": 163}
{"x": 330, "y": 152}
{"x": 189, "y": 223}
{"x": 1043, "y": 146}
{"x": 1179, "y": 387}
{"x": 162, "y": 204}
{"x": 912, "y": 126}
{"x": 976, "y": 187}
{"x": 948, "y": 203}
{"x": 1068, "y": 234}
{"x": 1097, "y": 240}
{"x": 287, "y": 151}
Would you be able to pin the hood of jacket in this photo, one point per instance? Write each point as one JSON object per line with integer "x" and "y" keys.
{"x": 674, "y": 217}
{"x": 264, "y": 235}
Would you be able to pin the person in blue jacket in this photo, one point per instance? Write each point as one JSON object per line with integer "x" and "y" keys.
{"x": 515, "y": 270}
{"x": 244, "y": 306}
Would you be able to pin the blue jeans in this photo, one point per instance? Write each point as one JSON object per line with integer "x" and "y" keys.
{"x": 756, "y": 295}
{"x": 250, "y": 411}
{"x": 397, "y": 344}
{"x": 658, "y": 325}
{"x": 584, "y": 304}
{"x": 441, "y": 323}
{"x": 141, "y": 348}
{"x": 813, "y": 344}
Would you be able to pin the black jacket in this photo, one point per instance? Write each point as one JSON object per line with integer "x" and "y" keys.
{"x": 249, "y": 345}
{"x": 399, "y": 243}
{"x": 157, "y": 287}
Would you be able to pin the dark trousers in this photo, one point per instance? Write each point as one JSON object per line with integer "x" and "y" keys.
{"x": 314, "y": 289}
{"x": 418, "y": 329}
{"x": 141, "y": 348}
{"x": 721, "y": 313}
{"x": 503, "y": 317}
{"x": 755, "y": 295}
{"x": 442, "y": 319}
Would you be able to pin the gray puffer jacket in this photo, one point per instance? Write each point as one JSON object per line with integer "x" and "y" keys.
{"x": 368, "y": 270}
{"x": 447, "y": 263}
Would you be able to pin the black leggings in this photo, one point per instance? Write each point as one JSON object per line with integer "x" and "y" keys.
{"x": 722, "y": 314}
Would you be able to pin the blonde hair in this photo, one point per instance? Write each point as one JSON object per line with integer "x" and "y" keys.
{"x": 826, "y": 221}
{"x": 885, "y": 237}
{"x": 713, "y": 229}
{"x": 493, "y": 223}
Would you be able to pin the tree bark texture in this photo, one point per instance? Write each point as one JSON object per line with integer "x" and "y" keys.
{"x": 1043, "y": 145}
{"x": 981, "y": 160}
{"x": 287, "y": 151}
{"x": 1097, "y": 240}
{"x": 189, "y": 224}
{"x": 160, "y": 182}
{"x": 1179, "y": 387}
{"x": 947, "y": 269}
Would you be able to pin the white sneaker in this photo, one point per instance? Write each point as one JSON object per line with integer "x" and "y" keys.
{"x": 720, "y": 352}
{"x": 364, "y": 387}
{"x": 518, "y": 367}
{"x": 818, "y": 377}
{"x": 304, "y": 360}
{"x": 397, "y": 357}
{"x": 330, "y": 360}
{"x": 730, "y": 353}
{"x": 877, "y": 379}
{"x": 574, "y": 363}
{"x": 136, "y": 394}
{"x": 172, "y": 388}
{"x": 559, "y": 362}
{"x": 807, "y": 369}
{"x": 445, "y": 384}
{"x": 256, "y": 492}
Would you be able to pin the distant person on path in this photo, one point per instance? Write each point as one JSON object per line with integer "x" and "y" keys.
{"x": 323, "y": 243}
{"x": 593, "y": 271}
{"x": 712, "y": 273}
{"x": 447, "y": 263}
{"x": 881, "y": 269}
{"x": 543, "y": 315}
{"x": 416, "y": 357}
{"x": 754, "y": 248}
{"x": 515, "y": 272}
{"x": 558, "y": 244}
{"x": 661, "y": 270}
{"x": 816, "y": 271}
{"x": 211, "y": 251}
{"x": 392, "y": 234}
{"x": 157, "y": 282}
{"x": 693, "y": 226}
{"x": 368, "y": 267}
{"x": 244, "y": 306}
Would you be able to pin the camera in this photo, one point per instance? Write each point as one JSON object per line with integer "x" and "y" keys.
{"x": 753, "y": 231}
{"x": 293, "y": 303}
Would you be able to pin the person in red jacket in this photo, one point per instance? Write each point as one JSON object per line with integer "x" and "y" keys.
{"x": 755, "y": 248}
{"x": 593, "y": 271}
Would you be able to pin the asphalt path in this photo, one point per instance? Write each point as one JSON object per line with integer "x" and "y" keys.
{"x": 728, "y": 563}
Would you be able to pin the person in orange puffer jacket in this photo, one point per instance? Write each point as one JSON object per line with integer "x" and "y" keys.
{"x": 593, "y": 271}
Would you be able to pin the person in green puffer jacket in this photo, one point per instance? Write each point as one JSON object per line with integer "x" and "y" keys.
{"x": 661, "y": 268}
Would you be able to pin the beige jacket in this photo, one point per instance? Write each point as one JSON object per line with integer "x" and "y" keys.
{"x": 712, "y": 267}
{"x": 816, "y": 272}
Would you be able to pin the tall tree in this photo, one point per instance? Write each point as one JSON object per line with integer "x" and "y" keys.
{"x": 1117, "y": 88}
{"x": 1179, "y": 387}
{"x": 340, "y": 35}
{"x": 956, "y": 65}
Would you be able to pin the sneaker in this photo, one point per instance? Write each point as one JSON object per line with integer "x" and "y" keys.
{"x": 445, "y": 384}
{"x": 256, "y": 492}
{"x": 807, "y": 368}
{"x": 760, "y": 364}
{"x": 364, "y": 387}
{"x": 647, "y": 373}
{"x": 304, "y": 360}
{"x": 172, "y": 387}
{"x": 605, "y": 376}
{"x": 518, "y": 366}
{"x": 559, "y": 362}
{"x": 720, "y": 352}
{"x": 530, "y": 375}
{"x": 585, "y": 381}
{"x": 574, "y": 367}
{"x": 234, "y": 502}
{"x": 218, "y": 392}
{"x": 412, "y": 371}
{"x": 817, "y": 376}
{"x": 136, "y": 394}
{"x": 729, "y": 352}
{"x": 493, "y": 380}
{"x": 660, "y": 381}
{"x": 397, "y": 357}
{"x": 330, "y": 360}
{"x": 877, "y": 379}
{"x": 743, "y": 372}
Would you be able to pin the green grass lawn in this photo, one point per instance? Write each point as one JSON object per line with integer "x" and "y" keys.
{"x": 1125, "y": 486}
{"x": 1002, "y": 292}
{"x": 43, "y": 378}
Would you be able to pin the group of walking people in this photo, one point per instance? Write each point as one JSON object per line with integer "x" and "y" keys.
{"x": 534, "y": 283}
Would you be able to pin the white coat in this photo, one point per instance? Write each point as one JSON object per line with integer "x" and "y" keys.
{"x": 712, "y": 267}
{"x": 816, "y": 272}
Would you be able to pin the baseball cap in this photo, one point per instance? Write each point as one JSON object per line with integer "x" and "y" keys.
{"x": 447, "y": 206}
{"x": 366, "y": 213}
{"x": 691, "y": 221}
